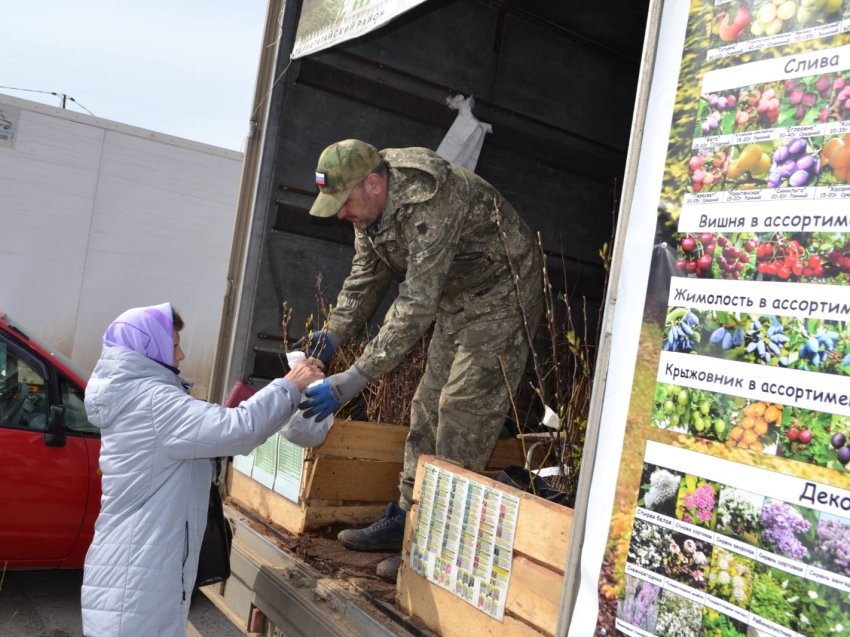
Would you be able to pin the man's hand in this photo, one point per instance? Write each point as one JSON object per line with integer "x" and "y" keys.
{"x": 323, "y": 400}
{"x": 323, "y": 344}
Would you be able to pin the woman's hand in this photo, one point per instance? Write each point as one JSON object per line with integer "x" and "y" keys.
{"x": 306, "y": 372}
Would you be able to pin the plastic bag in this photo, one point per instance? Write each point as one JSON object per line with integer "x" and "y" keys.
{"x": 462, "y": 144}
{"x": 518, "y": 478}
{"x": 301, "y": 431}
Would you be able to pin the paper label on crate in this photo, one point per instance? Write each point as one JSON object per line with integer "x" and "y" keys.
{"x": 244, "y": 464}
{"x": 289, "y": 469}
{"x": 265, "y": 461}
{"x": 463, "y": 539}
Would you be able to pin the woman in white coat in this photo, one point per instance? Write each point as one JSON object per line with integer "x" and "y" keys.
{"x": 156, "y": 445}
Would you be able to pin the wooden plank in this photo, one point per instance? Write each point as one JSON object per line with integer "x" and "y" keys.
{"x": 264, "y": 502}
{"x": 353, "y": 479}
{"x": 534, "y": 594}
{"x": 295, "y": 518}
{"x": 507, "y": 453}
{"x": 543, "y": 528}
{"x": 448, "y": 615}
{"x": 364, "y": 440}
{"x": 307, "y": 478}
{"x": 317, "y": 517}
{"x": 376, "y": 441}
{"x": 543, "y": 531}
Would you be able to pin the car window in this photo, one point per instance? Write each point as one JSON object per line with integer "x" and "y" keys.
{"x": 23, "y": 391}
{"x": 75, "y": 408}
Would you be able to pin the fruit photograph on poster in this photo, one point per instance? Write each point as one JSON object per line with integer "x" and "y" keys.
{"x": 800, "y": 101}
{"x": 796, "y": 257}
{"x": 742, "y": 20}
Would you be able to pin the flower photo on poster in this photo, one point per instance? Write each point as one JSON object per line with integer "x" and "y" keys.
{"x": 776, "y": 595}
{"x": 659, "y": 490}
{"x": 697, "y": 502}
{"x": 687, "y": 561}
{"x": 831, "y": 549}
{"x": 731, "y": 577}
{"x": 823, "y": 611}
{"x": 739, "y": 514}
{"x": 638, "y": 604}
{"x": 788, "y": 530}
{"x": 649, "y": 546}
{"x": 715, "y": 624}
{"x": 678, "y": 616}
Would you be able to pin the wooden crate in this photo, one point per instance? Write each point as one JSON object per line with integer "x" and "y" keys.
{"x": 347, "y": 480}
{"x": 537, "y": 571}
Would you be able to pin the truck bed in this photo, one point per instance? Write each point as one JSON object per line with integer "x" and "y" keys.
{"x": 322, "y": 552}
{"x": 306, "y": 585}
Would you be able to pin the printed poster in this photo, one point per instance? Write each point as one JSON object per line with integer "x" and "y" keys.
{"x": 326, "y": 23}
{"x": 728, "y": 512}
{"x": 265, "y": 462}
{"x": 244, "y": 464}
{"x": 464, "y": 537}
{"x": 289, "y": 469}
{"x": 277, "y": 464}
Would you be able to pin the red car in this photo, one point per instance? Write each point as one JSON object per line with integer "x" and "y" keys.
{"x": 49, "y": 477}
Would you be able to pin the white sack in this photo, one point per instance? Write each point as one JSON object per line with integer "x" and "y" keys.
{"x": 301, "y": 431}
{"x": 462, "y": 144}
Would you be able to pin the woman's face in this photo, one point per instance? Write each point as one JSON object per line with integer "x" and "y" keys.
{"x": 178, "y": 353}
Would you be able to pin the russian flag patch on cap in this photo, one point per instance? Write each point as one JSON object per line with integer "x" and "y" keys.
{"x": 321, "y": 178}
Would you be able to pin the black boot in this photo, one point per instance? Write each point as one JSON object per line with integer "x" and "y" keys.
{"x": 388, "y": 569}
{"x": 387, "y": 534}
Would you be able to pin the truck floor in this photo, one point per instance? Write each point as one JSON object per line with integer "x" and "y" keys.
{"x": 323, "y": 552}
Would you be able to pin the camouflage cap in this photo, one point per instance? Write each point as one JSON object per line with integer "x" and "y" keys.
{"x": 341, "y": 167}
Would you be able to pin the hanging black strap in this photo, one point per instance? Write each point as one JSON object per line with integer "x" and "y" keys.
{"x": 214, "y": 558}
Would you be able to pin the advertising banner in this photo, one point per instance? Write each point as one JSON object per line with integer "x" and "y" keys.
{"x": 326, "y": 23}
{"x": 720, "y": 499}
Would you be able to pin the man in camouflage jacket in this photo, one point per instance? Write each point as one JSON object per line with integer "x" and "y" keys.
{"x": 454, "y": 244}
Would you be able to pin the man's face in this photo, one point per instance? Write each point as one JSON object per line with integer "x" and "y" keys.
{"x": 365, "y": 203}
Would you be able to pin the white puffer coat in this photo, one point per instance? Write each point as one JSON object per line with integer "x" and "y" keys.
{"x": 156, "y": 442}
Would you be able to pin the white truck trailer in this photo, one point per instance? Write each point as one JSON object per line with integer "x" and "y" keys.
{"x": 99, "y": 217}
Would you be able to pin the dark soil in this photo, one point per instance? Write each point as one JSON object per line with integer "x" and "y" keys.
{"x": 322, "y": 552}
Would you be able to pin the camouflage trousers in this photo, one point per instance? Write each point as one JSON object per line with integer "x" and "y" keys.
{"x": 460, "y": 405}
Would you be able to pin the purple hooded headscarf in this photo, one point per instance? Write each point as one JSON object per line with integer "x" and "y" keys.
{"x": 146, "y": 330}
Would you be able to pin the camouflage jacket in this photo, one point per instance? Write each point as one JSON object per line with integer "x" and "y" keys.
{"x": 438, "y": 235}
